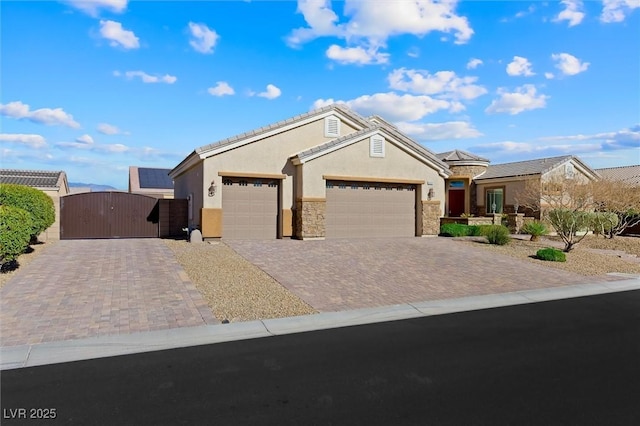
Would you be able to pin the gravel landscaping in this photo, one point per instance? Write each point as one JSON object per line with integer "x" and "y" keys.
{"x": 235, "y": 289}
{"x": 594, "y": 255}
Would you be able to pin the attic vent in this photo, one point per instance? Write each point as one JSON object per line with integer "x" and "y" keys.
{"x": 331, "y": 127}
{"x": 376, "y": 146}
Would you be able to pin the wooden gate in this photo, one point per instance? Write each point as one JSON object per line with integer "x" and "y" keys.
{"x": 108, "y": 215}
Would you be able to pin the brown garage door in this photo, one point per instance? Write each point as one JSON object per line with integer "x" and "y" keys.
{"x": 107, "y": 215}
{"x": 249, "y": 208}
{"x": 362, "y": 209}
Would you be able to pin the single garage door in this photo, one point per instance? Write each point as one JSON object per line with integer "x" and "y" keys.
{"x": 249, "y": 208}
{"x": 364, "y": 209}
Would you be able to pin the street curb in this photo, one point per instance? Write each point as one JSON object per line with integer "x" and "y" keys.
{"x": 12, "y": 357}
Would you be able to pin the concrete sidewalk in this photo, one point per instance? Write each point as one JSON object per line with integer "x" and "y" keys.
{"x": 112, "y": 345}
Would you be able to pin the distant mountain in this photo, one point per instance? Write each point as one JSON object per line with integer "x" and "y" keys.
{"x": 94, "y": 187}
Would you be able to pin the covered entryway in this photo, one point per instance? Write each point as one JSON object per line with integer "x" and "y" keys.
{"x": 107, "y": 215}
{"x": 249, "y": 208}
{"x": 370, "y": 209}
{"x": 456, "y": 202}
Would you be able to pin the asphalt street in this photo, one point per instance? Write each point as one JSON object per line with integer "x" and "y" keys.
{"x": 566, "y": 362}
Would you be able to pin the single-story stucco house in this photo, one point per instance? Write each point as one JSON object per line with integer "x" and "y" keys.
{"x": 627, "y": 174}
{"x": 328, "y": 173}
{"x": 52, "y": 183}
{"x": 150, "y": 181}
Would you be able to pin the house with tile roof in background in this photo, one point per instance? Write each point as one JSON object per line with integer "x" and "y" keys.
{"x": 52, "y": 183}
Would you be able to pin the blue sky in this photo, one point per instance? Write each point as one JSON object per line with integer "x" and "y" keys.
{"x": 94, "y": 87}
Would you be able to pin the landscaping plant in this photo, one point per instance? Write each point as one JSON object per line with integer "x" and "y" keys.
{"x": 551, "y": 254}
{"x": 497, "y": 234}
{"x": 603, "y": 222}
{"x": 535, "y": 228}
{"x": 454, "y": 230}
{"x": 35, "y": 202}
{"x": 15, "y": 233}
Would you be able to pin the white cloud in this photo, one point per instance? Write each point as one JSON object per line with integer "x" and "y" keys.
{"x": 92, "y": 7}
{"x": 221, "y": 88}
{"x": 520, "y": 66}
{"x": 113, "y": 31}
{"x": 621, "y": 139}
{"x": 523, "y": 99}
{"x": 31, "y": 140}
{"x": 356, "y": 55}
{"x": 440, "y": 131}
{"x": 147, "y": 78}
{"x": 444, "y": 83}
{"x": 414, "y": 52}
{"x": 47, "y": 116}
{"x": 569, "y": 64}
{"x": 572, "y": 12}
{"x": 474, "y": 63}
{"x": 86, "y": 139}
{"x": 370, "y": 24}
{"x": 82, "y": 144}
{"x": 392, "y": 106}
{"x": 272, "y": 92}
{"x": 108, "y": 129}
{"x": 617, "y": 10}
{"x": 524, "y": 13}
{"x": 203, "y": 38}
{"x": 549, "y": 76}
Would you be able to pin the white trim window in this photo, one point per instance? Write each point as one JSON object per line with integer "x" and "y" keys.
{"x": 376, "y": 146}
{"x": 332, "y": 127}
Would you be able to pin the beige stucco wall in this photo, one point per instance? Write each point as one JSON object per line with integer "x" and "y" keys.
{"x": 191, "y": 182}
{"x": 354, "y": 160}
{"x": 268, "y": 156}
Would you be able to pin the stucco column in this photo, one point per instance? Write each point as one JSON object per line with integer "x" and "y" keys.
{"x": 431, "y": 217}
{"x": 515, "y": 222}
{"x": 310, "y": 218}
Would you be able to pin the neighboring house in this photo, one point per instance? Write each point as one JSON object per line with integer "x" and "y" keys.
{"x": 497, "y": 188}
{"x": 54, "y": 184}
{"x": 150, "y": 181}
{"x": 326, "y": 173}
{"x": 627, "y": 174}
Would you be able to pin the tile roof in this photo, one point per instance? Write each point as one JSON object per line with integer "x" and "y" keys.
{"x": 33, "y": 178}
{"x": 460, "y": 155}
{"x": 237, "y": 138}
{"x": 523, "y": 168}
{"x": 626, "y": 174}
{"x": 154, "y": 178}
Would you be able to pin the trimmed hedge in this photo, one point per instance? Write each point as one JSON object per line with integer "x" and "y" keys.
{"x": 551, "y": 254}
{"x": 35, "y": 202}
{"x": 15, "y": 232}
{"x": 454, "y": 230}
{"x": 496, "y": 234}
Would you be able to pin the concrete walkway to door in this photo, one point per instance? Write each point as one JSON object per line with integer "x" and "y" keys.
{"x": 83, "y": 288}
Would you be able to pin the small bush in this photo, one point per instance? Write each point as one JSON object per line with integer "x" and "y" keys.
{"x": 535, "y": 229}
{"x": 35, "y": 202}
{"x": 15, "y": 232}
{"x": 454, "y": 230}
{"x": 603, "y": 222}
{"x": 497, "y": 234}
{"x": 551, "y": 254}
{"x": 474, "y": 231}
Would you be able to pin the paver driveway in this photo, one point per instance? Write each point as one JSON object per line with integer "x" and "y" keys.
{"x": 83, "y": 288}
{"x": 341, "y": 274}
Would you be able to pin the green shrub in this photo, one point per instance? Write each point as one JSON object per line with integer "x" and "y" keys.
{"x": 474, "y": 231}
{"x": 15, "y": 232}
{"x": 535, "y": 229}
{"x": 551, "y": 254}
{"x": 35, "y": 202}
{"x": 454, "y": 230}
{"x": 497, "y": 234}
{"x": 603, "y": 222}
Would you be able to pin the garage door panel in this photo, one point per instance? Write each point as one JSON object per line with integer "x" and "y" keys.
{"x": 250, "y": 209}
{"x": 369, "y": 210}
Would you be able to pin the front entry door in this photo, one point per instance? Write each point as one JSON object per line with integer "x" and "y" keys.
{"x": 456, "y": 202}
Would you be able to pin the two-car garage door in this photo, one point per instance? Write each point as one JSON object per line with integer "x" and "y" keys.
{"x": 367, "y": 209}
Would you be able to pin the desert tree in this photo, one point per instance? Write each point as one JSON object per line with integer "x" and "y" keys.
{"x": 565, "y": 203}
{"x": 621, "y": 199}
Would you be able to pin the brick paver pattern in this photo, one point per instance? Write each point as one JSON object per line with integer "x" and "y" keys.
{"x": 342, "y": 274}
{"x": 83, "y": 288}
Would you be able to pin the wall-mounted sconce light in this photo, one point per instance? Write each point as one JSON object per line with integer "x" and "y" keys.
{"x": 212, "y": 188}
{"x": 430, "y": 194}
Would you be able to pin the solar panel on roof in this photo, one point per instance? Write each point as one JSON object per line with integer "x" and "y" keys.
{"x": 155, "y": 178}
